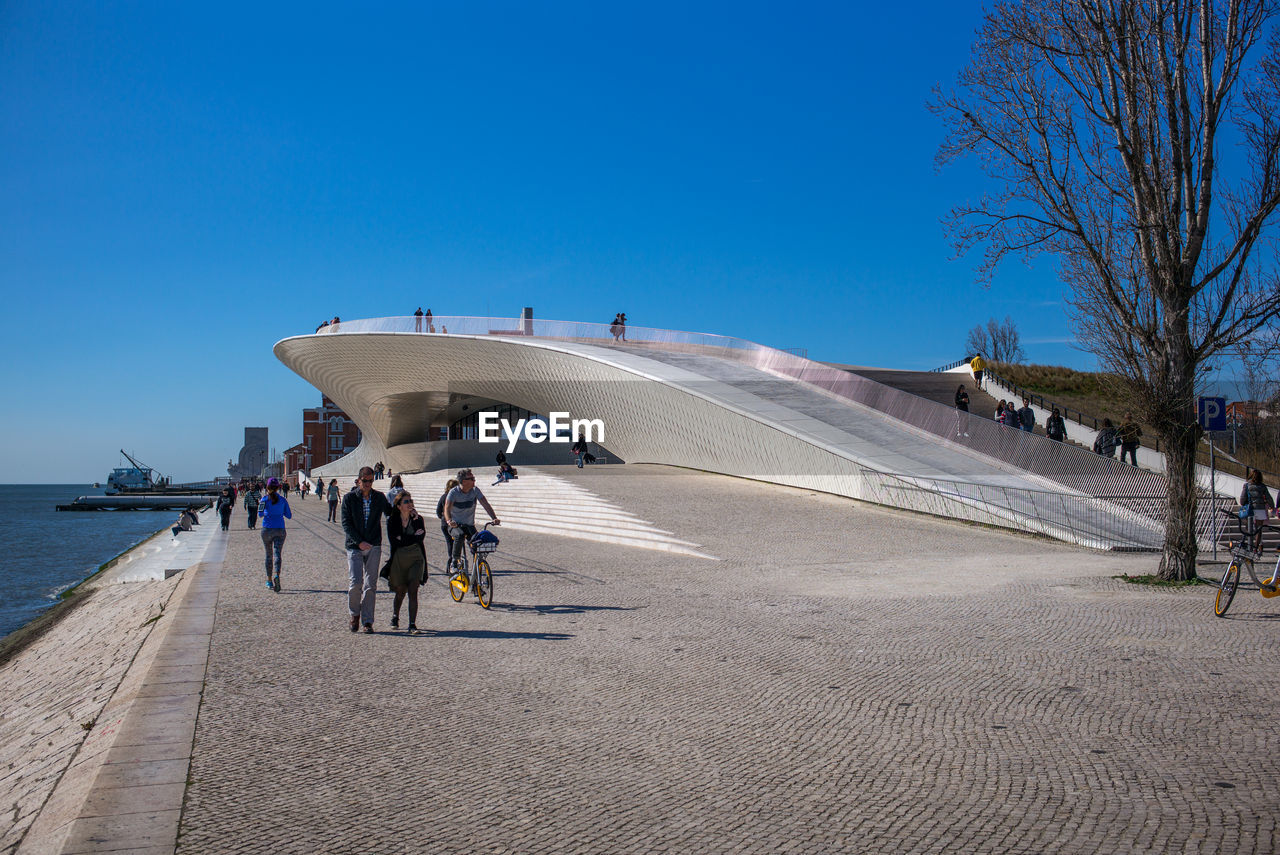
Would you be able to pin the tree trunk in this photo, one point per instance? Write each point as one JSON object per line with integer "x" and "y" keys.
{"x": 1180, "y": 548}
{"x": 1178, "y": 427}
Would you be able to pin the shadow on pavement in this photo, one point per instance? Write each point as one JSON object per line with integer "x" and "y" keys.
{"x": 493, "y": 633}
{"x": 562, "y": 609}
{"x": 533, "y": 565}
{"x": 1258, "y": 616}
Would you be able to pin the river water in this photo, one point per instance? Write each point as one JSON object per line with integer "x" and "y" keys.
{"x": 48, "y": 551}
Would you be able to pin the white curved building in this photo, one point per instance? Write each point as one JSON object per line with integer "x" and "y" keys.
{"x": 700, "y": 401}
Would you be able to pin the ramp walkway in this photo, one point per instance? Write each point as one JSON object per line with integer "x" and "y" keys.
{"x": 971, "y": 484}
{"x": 930, "y": 385}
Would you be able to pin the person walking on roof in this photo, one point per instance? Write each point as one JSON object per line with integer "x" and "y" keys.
{"x": 1130, "y": 439}
{"x": 1055, "y": 427}
{"x": 962, "y": 411}
{"x": 976, "y": 365}
{"x": 362, "y": 513}
{"x": 1026, "y": 416}
{"x": 1107, "y": 440}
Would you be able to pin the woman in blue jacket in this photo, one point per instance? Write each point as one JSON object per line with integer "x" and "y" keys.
{"x": 274, "y": 510}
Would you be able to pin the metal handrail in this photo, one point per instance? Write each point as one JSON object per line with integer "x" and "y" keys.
{"x": 1039, "y": 400}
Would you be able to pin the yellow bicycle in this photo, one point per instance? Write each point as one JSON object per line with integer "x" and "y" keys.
{"x": 1243, "y": 555}
{"x": 462, "y": 578}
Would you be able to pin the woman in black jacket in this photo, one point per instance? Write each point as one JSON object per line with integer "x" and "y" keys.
{"x": 407, "y": 567}
{"x": 225, "y": 504}
{"x": 1055, "y": 428}
{"x": 1256, "y": 495}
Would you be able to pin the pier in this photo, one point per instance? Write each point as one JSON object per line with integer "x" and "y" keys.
{"x": 138, "y": 502}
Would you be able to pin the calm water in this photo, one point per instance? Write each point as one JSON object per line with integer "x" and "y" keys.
{"x": 58, "y": 549}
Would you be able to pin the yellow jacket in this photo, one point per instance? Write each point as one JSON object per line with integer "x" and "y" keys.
{"x": 976, "y": 364}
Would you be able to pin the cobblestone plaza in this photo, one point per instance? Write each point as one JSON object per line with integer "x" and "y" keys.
{"x": 839, "y": 678}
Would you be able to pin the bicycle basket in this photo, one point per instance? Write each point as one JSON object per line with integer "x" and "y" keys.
{"x": 484, "y": 541}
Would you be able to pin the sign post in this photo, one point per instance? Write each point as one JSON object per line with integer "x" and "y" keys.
{"x": 1212, "y": 415}
{"x": 1213, "y": 501}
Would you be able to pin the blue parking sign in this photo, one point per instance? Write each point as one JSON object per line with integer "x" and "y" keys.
{"x": 1212, "y": 413}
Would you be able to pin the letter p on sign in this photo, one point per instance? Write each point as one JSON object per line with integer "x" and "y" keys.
{"x": 1213, "y": 413}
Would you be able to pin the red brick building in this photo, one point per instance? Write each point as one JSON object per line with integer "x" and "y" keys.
{"x": 1243, "y": 411}
{"x": 327, "y": 434}
{"x": 295, "y": 459}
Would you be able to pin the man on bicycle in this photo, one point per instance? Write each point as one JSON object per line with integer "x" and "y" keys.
{"x": 460, "y": 509}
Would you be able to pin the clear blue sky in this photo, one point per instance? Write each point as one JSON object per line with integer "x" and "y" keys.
{"x": 182, "y": 185}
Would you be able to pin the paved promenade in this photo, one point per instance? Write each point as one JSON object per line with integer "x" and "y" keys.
{"x": 844, "y": 678}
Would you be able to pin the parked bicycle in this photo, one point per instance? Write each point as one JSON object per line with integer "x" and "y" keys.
{"x": 474, "y": 575}
{"x": 1243, "y": 555}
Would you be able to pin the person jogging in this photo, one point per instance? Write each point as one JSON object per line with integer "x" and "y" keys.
{"x": 274, "y": 510}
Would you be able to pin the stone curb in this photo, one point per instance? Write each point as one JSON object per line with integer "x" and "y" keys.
{"x": 124, "y": 790}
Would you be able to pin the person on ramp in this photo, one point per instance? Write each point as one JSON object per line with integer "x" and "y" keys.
{"x": 460, "y": 510}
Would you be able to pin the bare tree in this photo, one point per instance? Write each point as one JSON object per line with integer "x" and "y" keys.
{"x": 1102, "y": 122}
{"x": 998, "y": 341}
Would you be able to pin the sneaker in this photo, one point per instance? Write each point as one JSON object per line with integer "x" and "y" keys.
{"x": 275, "y": 584}
{"x": 269, "y": 586}
{"x": 355, "y": 623}
{"x": 395, "y": 621}
{"x": 413, "y": 629}
{"x": 368, "y": 627}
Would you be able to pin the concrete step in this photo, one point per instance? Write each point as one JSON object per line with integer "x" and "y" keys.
{"x": 606, "y": 537}
{"x": 543, "y": 503}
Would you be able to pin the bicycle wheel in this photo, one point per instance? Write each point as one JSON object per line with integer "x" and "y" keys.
{"x": 458, "y": 581}
{"x": 1226, "y": 589}
{"x": 484, "y": 583}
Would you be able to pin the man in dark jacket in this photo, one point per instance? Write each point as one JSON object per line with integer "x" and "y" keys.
{"x": 1130, "y": 439}
{"x": 362, "y": 513}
